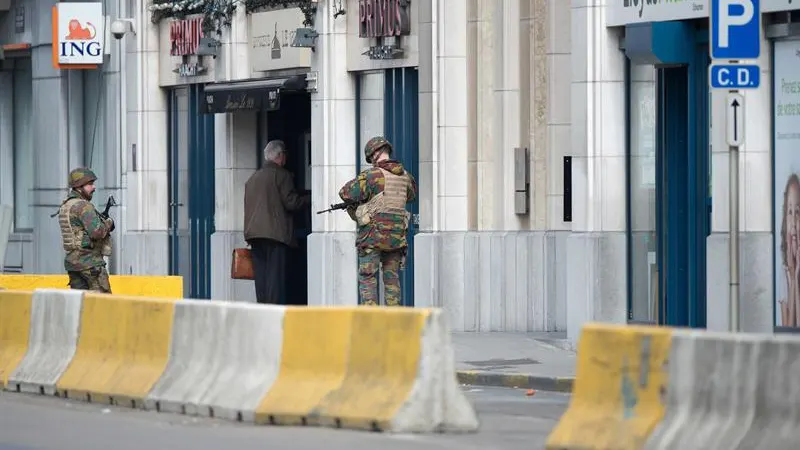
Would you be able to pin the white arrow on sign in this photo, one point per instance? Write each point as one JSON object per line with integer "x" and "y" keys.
{"x": 735, "y": 114}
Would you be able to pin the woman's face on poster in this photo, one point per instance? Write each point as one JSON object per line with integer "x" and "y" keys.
{"x": 793, "y": 215}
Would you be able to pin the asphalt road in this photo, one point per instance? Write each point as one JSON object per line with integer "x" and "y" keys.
{"x": 509, "y": 420}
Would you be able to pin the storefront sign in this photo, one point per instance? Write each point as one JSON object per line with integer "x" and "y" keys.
{"x": 382, "y": 34}
{"x": 271, "y": 37}
{"x": 185, "y": 54}
{"x": 384, "y": 52}
{"x": 189, "y": 69}
{"x": 242, "y": 100}
{"x": 786, "y": 207}
{"x": 383, "y": 18}
{"x": 622, "y": 12}
{"x": 184, "y": 36}
{"x": 79, "y": 32}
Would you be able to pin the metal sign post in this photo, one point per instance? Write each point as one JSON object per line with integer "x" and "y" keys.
{"x": 735, "y": 137}
{"x": 735, "y": 35}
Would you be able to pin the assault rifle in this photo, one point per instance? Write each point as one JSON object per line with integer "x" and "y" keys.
{"x": 109, "y": 203}
{"x": 337, "y": 206}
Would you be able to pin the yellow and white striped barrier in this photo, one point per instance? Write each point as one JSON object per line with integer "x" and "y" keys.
{"x": 386, "y": 369}
{"x": 661, "y": 388}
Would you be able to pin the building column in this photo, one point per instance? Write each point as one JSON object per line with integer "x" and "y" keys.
{"x": 596, "y": 249}
{"x": 145, "y": 187}
{"x": 54, "y": 143}
{"x": 6, "y": 139}
{"x": 111, "y": 140}
{"x": 331, "y": 245}
{"x": 494, "y": 73}
{"x": 235, "y": 160}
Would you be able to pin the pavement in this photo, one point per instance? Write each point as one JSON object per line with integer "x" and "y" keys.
{"x": 510, "y": 420}
{"x": 540, "y": 361}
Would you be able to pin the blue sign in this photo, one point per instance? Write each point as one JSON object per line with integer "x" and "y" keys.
{"x": 735, "y": 29}
{"x": 734, "y": 76}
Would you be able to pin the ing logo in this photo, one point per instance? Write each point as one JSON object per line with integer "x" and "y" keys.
{"x": 80, "y": 33}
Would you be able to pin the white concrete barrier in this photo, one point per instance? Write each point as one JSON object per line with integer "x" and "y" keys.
{"x": 194, "y": 355}
{"x": 436, "y": 402}
{"x": 55, "y": 321}
{"x": 731, "y": 391}
{"x": 223, "y": 360}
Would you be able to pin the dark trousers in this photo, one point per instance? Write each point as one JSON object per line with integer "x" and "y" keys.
{"x": 269, "y": 270}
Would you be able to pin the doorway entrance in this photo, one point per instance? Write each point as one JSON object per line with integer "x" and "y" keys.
{"x": 191, "y": 190}
{"x": 668, "y": 165}
{"x": 401, "y": 128}
{"x": 292, "y": 124}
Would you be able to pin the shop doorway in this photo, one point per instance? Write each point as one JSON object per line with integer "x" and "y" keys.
{"x": 191, "y": 190}
{"x": 669, "y": 210}
{"x": 401, "y": 128}
{"x": 292, "y": 124}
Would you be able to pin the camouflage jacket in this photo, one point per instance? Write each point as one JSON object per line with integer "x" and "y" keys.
{"x": 386, "y": 231}
{"x": 83, "y": 215}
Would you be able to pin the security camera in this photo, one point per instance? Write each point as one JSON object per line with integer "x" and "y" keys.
{"x": 121, "y": 26}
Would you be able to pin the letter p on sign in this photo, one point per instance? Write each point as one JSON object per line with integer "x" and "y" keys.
{"x": 735, "y": 29}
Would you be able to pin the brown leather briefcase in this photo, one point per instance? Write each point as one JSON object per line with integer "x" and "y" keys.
{"x": 242, "y": 264}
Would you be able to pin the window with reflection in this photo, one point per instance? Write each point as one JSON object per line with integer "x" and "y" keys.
{"x": 642, "y": 199}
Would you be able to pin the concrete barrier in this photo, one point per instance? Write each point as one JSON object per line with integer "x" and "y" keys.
{"x": 196, "y": 350}
{"x": 122, "y": 351}
{"x": 226, "y": 372}
{"x": 166, "y": 287}
{"x": 383, "y": 369}
{"x": 313, "y": 364}
{"x": 15, "y": 319}
{"x": 617, "y": 397}
{"x": 54, "y": 323}
{"x": 731, "y": 391}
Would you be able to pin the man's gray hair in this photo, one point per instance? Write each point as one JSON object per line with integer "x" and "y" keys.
{"x": 274, "y": 149}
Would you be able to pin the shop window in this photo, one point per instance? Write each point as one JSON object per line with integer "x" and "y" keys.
{"x": 642, "y": 195}
{"x": 23, "y": 145}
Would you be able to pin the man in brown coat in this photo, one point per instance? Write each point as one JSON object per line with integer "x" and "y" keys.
{"x": 269, "y": 200}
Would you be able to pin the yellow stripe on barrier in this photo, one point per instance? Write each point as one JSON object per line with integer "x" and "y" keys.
{"x": 167, "y": 287}
{"x": 123, "y": 348}
{"x": 617, "y": 398}
{"x": 15, "y": 325}
{"x": 384, "y": 353}
{"x": 313, "y": 364}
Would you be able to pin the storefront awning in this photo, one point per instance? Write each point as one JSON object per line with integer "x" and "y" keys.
{"x": 256, "y": 95}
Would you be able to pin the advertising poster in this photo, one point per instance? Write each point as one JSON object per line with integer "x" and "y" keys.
{"x": 786, "y": 116}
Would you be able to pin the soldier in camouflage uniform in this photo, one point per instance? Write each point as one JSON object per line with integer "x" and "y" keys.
{"x": 381, "y": 193}
{"x": 85, "y": 235}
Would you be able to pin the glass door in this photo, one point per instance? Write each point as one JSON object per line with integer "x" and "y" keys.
{"x": 180, "y": 237}
{"x": 643, "y": 169}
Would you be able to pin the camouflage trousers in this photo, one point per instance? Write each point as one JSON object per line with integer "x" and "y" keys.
{"x": 369, "y": 265}
{"x": 94, "y": 279}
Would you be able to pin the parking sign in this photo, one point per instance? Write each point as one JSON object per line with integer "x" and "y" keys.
{"x": 735, "y": 29}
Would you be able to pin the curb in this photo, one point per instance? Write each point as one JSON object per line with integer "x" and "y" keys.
{"x": 515, "y": 380}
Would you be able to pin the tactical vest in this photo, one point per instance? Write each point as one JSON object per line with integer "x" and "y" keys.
{"x": 392, "y": 200}
{"x": 71, "y": 237}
